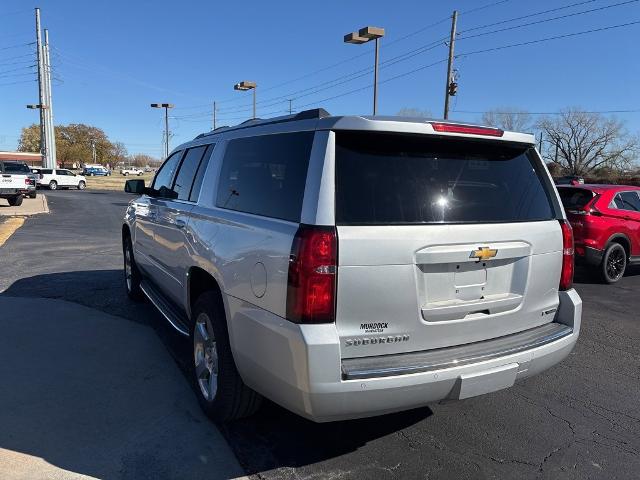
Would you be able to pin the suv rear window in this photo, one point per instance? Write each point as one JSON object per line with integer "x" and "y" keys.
{"x": 575, "y": 198}
{"x": 388, "y": 178}
{"x": 14, "y": 167}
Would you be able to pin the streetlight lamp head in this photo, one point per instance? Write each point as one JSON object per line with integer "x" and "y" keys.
{"x": 33, "y": 106}
{"x": 244, "y": 86}
{"x": 371, "y": 33}
{"x": 162, "y": 105}
{"x": 353, "y": 37}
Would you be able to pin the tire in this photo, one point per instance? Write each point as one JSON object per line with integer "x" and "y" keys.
{"x": 15, "y": 201}
{"x": 132, "y": 277}
{"x": 33, "y": 195}
{"x": 221, "y": 392}
{"x": 53, "y": 185}
{"x": 140, "y": 174}
{"x": 125, "y": 174}
{"x": 82, "y": 185}
{"x": 614, "y": 263}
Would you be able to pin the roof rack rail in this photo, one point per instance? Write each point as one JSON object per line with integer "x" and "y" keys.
{"x": 315, "y": 113}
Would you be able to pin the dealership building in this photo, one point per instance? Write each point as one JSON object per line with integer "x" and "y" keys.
{"x": 32, "y": 159}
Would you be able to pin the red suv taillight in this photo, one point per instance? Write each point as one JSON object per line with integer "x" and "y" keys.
{"x": 566, "y": 276}
{"x": 311, "y": 290}
{"x": 29, "y": 181}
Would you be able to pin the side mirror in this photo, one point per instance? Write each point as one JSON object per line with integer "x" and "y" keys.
{"x": 135, "y": 186}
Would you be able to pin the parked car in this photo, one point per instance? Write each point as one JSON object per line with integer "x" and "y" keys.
{"x": 61, "y": 178}
{"x": 606, "y": 226}
{"x": 131, "y": 171}
{"x": 16, "y": 181}
{"x": 346, "y": 267}
{"x": 20, "y": 167}
{"x": 570, "y": 180}
{"x": 96, "y": 171}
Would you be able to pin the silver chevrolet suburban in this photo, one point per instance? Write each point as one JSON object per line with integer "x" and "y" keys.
{"x": 352, "y": 266}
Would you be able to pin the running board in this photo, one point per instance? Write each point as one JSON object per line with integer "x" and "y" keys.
{"x": 448, "y": 357}
{"x": 167, "y": 310}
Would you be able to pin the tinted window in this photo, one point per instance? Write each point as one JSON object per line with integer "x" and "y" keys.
{"x": 197, "y": 184}
{"x": 12, "y": 167}
{"x": 187, "y": 172}
{"x": 412, "y": 179}
{"x": 628, "y": 201}
{"x": 266, "y": 175}
{"x": 46, "y": 171}
{"x": 575, "y": 198}
{"x": 162, "y": 182}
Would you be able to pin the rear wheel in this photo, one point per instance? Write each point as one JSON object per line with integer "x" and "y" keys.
{"x": 53, "y": 185}
{"x": 614, "y": 263}
{"x": 15, "y": 201}
{"x": 33, "y": 194}
{"x": 82, "y": 185}
{"x": 221, "y": 392}
{"x": 132, "y": 276}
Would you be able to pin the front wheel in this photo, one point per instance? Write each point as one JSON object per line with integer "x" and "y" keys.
{"x": 221, "y": 392}
{"x": 614, "y": 263}
{"x": 53, "y": 185}
{"x": 82, "y": 185}
{"x": 132, "y": 276}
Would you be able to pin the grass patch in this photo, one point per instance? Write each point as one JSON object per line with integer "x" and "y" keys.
{"x": 115, "y": 181}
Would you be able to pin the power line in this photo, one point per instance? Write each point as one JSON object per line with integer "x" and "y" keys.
{"x": 544, "y": 113}
{"x": 557, "y": 37}
{"x": 18, "y": 45}
{"x": 16, "y": 83}
{"x": 522, "y": 17}
{"x": 550, "y": 19}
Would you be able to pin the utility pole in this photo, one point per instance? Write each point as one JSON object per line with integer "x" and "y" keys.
{"x": 41, "y": 96}
{"x": 214, "y": 115}
{"x": 540, "y": 147}
{"x": 452, "y": 43}
{"x": 166, "y": 107}
{"x": 290, "y": 106}
{"x": 93, "y": 152}
{"x": 48, "y": 112}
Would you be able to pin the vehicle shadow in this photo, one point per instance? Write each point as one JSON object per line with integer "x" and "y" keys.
{"x": 271, "y": 439}
{"x": 590, "y": 276}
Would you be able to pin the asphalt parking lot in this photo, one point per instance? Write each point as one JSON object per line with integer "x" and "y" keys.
{"x": 579, "y": 420}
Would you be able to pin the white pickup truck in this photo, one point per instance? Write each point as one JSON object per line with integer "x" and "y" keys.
{"x": 131, "y": 171}
{"x": 16, "y": 181}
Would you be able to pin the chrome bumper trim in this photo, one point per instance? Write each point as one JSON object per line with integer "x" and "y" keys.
{"x": 443, "y": 358}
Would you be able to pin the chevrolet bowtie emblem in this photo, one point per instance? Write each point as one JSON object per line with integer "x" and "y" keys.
{"x": 483, "y": 253}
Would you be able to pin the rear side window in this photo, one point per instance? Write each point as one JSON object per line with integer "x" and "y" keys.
{"x": 197, "y": 183}
{"x": 266, "y": 175}
{"x": 575, "y": 198}
{"x": 46, "y": 171}
{"x": 411, "y": 179}
{"x": 187, "y": 172}
{"x": 627, "y": 201}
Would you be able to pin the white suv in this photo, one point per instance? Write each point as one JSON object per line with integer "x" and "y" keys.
{"x": 60, "y": 178}
{"x": 346, "y": 267}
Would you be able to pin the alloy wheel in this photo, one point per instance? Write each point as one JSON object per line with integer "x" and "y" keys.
{"x": 205, "y": 355}
{"x": 616, "y": 263}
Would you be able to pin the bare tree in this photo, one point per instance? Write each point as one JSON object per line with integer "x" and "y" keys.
{"x": 588, "y": 141}
{"x": 508, "y": 118}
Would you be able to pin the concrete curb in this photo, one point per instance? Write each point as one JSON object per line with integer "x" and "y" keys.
{"x": 30, "y": 206}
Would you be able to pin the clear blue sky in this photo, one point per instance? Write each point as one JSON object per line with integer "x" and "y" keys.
{"x": 111, "y": 59}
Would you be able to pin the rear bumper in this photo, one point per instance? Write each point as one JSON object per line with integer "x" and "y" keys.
{"x": 592, "y": 256}
{"x": 10, "y": 192}
{"x": 299, "y": 367}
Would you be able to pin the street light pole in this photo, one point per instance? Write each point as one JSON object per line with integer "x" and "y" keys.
{"x": 243, "y": 87}
{"x": 166, "y": 107}
{"x": 365, "y": 35}
{"x": 452, "y": 42}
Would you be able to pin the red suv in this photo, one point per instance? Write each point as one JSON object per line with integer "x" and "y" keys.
{"x": 606, "y": 226}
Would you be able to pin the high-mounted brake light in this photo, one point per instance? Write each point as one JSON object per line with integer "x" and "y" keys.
{"x": 311, "y": 290}
{"x": 566, "y": 276}
{"x": 468, "y": 129}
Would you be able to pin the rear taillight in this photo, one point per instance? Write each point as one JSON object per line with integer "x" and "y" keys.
{"x": 311, "y": 290}
{"x": 468, "y": 129}
{"x": 29, "y": 181}
{"x": 566, "y": 276}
